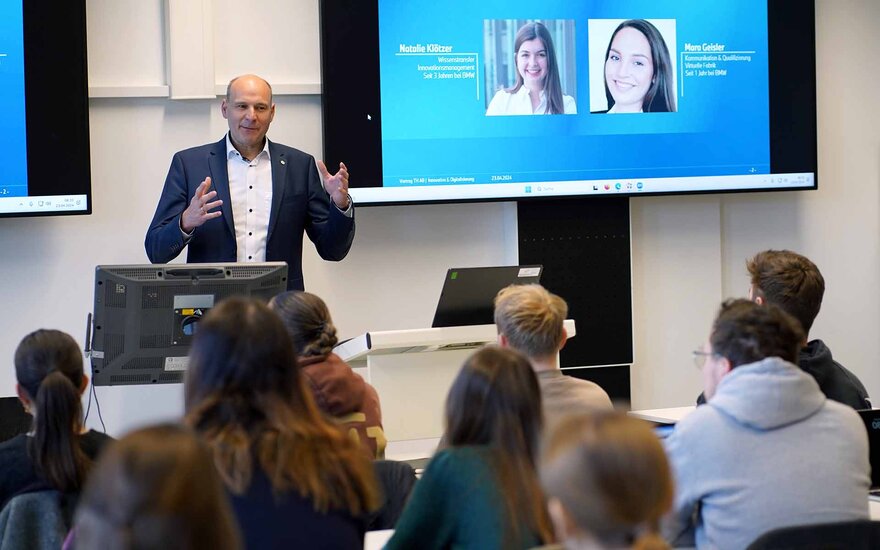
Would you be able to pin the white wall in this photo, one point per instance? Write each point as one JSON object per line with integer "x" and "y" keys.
{"x": 688, "y": 252}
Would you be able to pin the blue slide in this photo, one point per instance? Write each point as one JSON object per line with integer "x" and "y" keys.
{"x": 13, "y": 142}
{"x": 441, "y": 63}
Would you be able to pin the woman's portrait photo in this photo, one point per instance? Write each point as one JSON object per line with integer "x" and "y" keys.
{"x": 631, "y": 66}
{"x": 528, "y": 72}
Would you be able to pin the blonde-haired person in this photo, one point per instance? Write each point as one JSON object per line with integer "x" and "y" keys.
{"x": 529, "y": 320}
{"x": 156, "y": 488}
{"x": 295, "y": 479}
{"x": 607, "y": 482}
{"x": 338, "y": 391}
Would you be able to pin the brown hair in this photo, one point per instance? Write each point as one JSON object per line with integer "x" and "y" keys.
{"x": 495, "y": 401}
{"x": 156, "y": 488}
{"x": 790, "y": 281}
{"x": 49, "y": 368}
{"x": 745, "y": 332}
{"x": 308, "y": 321}
{"x": 246, "y": 397}
{"x": 531, "y": 319}
{"x": 612, "y": 477}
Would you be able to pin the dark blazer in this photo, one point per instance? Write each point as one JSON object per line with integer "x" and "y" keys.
{"x": 299, "y": 202}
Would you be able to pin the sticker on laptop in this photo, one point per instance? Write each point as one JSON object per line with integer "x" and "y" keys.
{"x": 529, "y": 271}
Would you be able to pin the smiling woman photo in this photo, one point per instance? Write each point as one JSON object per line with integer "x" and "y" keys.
{"x": 537, "y": 90}
{"x": 638, "y": 70}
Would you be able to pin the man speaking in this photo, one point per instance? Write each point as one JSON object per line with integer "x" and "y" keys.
{"x": 247, "y": 199}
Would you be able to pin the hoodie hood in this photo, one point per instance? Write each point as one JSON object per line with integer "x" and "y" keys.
{"x": 769, "y": 394}
{"x": 815, "y": 358}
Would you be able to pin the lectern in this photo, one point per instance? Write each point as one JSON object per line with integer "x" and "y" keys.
{"x": 412, "y": 370}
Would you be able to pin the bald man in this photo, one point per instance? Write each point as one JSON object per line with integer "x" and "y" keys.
{"x": 248, "y": 199}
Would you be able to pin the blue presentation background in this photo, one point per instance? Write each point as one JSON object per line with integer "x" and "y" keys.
{"x": 13, "y": 142}
{"x": 439, "y": 128}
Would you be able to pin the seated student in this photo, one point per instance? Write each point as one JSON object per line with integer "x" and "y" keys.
{"x": 481, "y": 490}
{"x": 156, "y": 488}
{"x": 793, "y": 283}
{"x": 296, "y": 480}
{"x": 58, "y": 452}
{"x": 768, "y": 450}
{"x": 338, "y": 391}
{"x": 529, "y": 320}
{"x": 607, "y": 482}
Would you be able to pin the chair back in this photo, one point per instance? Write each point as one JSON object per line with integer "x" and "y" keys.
{"x": 13, "y": 419}
{"x": 845, "y": 535}
{"x": 33, "y": 521}
{"x": 396, "y": 481}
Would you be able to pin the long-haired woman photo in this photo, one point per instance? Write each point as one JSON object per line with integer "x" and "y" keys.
{"x": 295, "y": 479}
{"x": 638, "y": 70}
{"x": 537, "y": 89}
{"x": 481, "y": 489}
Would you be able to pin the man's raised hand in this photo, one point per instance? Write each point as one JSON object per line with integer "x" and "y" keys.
{"x": 200, "y": 207}
{"x": 336, "y": 184}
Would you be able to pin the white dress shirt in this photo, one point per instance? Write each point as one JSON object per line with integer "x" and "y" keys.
{"x": 250, "y": 191}
{"x": 519, "y": 103}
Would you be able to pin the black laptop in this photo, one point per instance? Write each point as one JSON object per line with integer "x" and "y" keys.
{"x": 468, "y": 296}
{"x": 871, "y": 417}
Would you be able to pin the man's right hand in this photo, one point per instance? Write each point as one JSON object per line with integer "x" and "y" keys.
{"x": 200, "y": 208}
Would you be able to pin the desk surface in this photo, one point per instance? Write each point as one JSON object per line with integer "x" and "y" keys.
{"x": 663, "y": 416}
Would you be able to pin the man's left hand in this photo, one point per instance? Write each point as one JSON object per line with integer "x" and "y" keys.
{"x": 336, "y": 185}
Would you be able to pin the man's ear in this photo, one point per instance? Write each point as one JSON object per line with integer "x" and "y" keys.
{"x": 564, "y": 339}
{"x": 726, "y": 366}
{"x": 23, "y": 397}
{"x": 223, "y": 107}
{"x": 503, "y": 341}
{"x": 563, "y": 524}
{"x": 83, "y": 384}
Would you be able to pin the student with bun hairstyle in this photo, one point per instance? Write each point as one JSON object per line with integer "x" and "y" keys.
{"x": 481, "y": 489}
{"x": 338, "y": 391}
{"x": 58, "y": 452}
{"x": 608, "y": 483}
{"x": 295, "y": 479}
{"x": 156, "y": 488}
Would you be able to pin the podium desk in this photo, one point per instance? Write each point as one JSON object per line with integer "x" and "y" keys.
{"x": 412, "y": 371}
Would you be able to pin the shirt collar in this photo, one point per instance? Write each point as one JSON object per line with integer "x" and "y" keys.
{"x": 525, "y": 91}
{"x": 232, "y": 152}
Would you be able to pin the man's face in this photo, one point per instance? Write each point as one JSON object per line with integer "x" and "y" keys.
{"x": 249, "y": 111}
{"x": 714, "y": 369}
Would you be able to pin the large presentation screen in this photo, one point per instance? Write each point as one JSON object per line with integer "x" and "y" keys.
{"x": 44, "y": 131}
{"x": 463, "y": 100}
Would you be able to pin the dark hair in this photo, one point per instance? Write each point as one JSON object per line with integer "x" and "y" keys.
{"x": 308, "y": 321}
{"x": 246, "y": 397}
{"x": 745, "y": 332}
{"x": 552, "y": 86}
{"x": 790, "y": 281}
{"x": 156, "y": 488}
{"x": 495, "y": 401}
{"x": 612, "y": 476}
{"x": 660, "y": 96}
{"x": 49, "y": 368}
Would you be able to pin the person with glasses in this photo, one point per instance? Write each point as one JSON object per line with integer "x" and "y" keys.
{"x": 744, "y": 463}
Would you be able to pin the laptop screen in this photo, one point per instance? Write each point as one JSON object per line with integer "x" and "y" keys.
{"x": 468, "y": 296}
{"x": 872, "y": 423}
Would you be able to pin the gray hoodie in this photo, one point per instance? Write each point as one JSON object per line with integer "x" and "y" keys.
{"x": 767, "y": 451}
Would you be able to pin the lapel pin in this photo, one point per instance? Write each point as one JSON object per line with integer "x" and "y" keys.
{"x": 283, "y": 161}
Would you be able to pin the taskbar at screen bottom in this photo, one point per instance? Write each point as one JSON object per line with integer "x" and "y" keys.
{"x": 44, "y": 204}
{"x": 630, "y": 186}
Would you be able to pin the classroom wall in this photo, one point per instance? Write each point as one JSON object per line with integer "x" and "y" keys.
{"x": 688, "y": 252}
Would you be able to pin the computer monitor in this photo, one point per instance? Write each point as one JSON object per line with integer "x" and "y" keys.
{"x": 468, "y": 295}
{"x": 146, "y": 315}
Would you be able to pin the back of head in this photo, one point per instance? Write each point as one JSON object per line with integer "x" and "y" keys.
{"x": 531, "y": 319}
{"x": 745, "y": 332}
{"x": 611, "y": 476}
{"x": 308, "y": 322}
{"x": 790, "y": 281}
{"x": 156, "y": 488}
{"x": 246, "y": 397}
{"x": 49, "y": 368}
{"x": 495, "y": 401}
